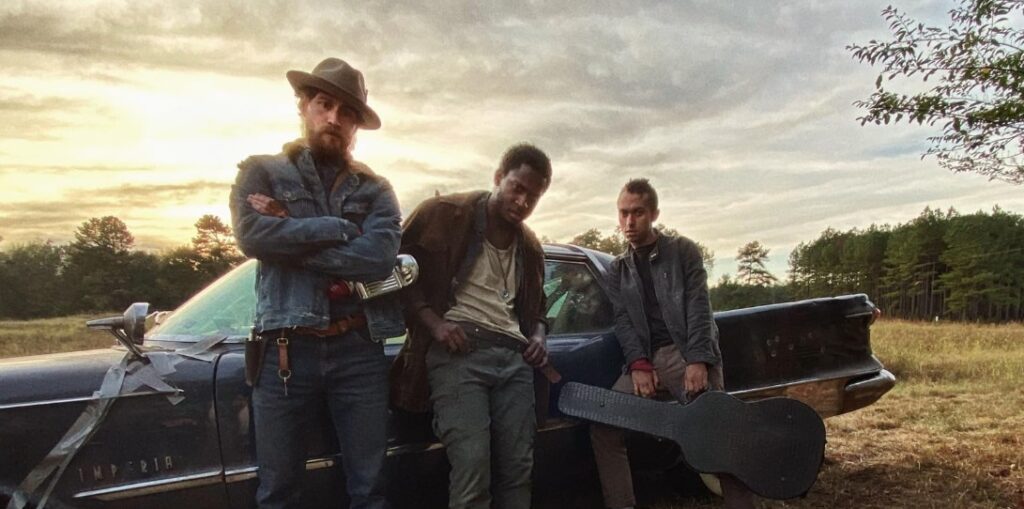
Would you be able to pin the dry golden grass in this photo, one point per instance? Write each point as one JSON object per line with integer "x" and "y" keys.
{"x": 950, "y": 435}
{"x": 51, "y": 335}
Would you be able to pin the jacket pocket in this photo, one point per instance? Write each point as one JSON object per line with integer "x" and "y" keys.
{"x": 355, "y": 211}
{"x": 298, "y": 201}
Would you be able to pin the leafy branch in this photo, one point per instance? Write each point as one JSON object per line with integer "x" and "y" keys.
{"x": 977, "y": 64}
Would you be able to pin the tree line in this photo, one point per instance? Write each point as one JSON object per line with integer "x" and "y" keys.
{"x": 102, "y": 271}
{"x": 938, "y": 265}
{"x": 941, "y": 264}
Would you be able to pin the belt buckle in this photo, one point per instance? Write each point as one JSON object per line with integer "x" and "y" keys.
{"x": 344, "y": 325}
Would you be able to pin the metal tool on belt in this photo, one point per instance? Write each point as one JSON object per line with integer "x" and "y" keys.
{"x": 404, "y": 274}
{"x": 336, "y": 328}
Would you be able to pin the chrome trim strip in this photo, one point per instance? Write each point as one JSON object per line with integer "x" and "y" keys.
{"x": 748, "y": 392}
{"x": 240, "y": 474}
{"x": 246, "y": 473}
{"x": 883, "y": 381}
{"x": 81, "y": 399}
{"x": 151, "y": 487}
{"x": 318, "y": 463}
{"x": 398, "y": 450}
{"x": 860, "y": 314}
{"x": 557, "y": 423}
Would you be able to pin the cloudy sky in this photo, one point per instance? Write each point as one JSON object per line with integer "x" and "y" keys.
{"x": 739, "y": 112}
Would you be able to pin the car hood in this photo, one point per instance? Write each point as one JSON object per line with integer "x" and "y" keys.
{"x": 55, "y": 377}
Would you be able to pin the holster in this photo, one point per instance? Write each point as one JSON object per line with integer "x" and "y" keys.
{"x": 255, "y": 350}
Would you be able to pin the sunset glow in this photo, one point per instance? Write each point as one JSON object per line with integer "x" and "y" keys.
{"x": 740, "y": 113}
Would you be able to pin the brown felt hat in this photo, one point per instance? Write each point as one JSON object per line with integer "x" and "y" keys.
{"x": 341, "y": 80}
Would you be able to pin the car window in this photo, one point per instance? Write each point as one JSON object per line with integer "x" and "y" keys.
{"x": 226, "y": 307}
{"x": 575, "y": 301}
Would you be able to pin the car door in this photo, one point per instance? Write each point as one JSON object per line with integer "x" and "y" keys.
{"x": 583, "y": 349}
{"x": 151, "y": 449}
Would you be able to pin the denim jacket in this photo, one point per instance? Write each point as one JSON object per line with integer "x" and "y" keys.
{"x": 352, "y": 233}
{"x": 680, "y": 283}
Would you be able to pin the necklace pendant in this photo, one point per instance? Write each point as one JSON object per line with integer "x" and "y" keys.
{"x": 504, "y": 295}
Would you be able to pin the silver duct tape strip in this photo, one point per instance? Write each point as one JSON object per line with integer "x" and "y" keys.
{"x": 164, "y": 364}
{"x": 125, "y": 377}
{"x": 201, "y": 349}
{"x": 61, "y": 455}
{"x": 146, "y": 374}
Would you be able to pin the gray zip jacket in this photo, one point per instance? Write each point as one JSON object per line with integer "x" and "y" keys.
{"x": 350, "y": 231}
{"x": 681, "y": 285}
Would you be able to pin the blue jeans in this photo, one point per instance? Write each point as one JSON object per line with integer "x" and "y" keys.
{"x": 347, "y": 372}
{"x": 483, "y": 405}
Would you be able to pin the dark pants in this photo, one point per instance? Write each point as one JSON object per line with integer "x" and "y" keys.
{"x": 347, "y": 372}
{"x": 483, "y": 406}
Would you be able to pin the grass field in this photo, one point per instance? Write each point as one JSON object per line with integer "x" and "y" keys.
{"x": 51, "y": 335}
{"x": 950, "y": 435}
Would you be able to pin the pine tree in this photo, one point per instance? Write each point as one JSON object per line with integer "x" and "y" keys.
{"x": 751, "y": 269}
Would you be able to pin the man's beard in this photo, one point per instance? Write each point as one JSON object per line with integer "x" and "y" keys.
{"x": 330, "y": 145}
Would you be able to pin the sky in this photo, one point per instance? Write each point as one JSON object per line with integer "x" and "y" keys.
{"x": 740, "y": 113}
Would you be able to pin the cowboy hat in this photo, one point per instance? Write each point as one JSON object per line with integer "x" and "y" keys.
{"x": 341, "y": 80}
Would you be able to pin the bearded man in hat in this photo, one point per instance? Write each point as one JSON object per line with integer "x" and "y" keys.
{"x": 313, "y": 216}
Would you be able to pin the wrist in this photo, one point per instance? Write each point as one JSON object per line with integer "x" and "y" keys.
{"x": 642, "y": 364}
{"x": 427, "y": 317}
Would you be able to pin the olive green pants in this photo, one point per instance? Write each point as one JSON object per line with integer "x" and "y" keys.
{"x": 484, "y": 405}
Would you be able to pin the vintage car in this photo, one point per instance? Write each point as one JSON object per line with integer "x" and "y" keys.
{"x": 163, "y": 420}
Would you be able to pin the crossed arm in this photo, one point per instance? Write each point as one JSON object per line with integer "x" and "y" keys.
{"x": 279, "y": 237}
{"x": 330, "y": 245}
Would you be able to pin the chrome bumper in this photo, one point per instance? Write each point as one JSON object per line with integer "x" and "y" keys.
{"x": 863, "y": 392}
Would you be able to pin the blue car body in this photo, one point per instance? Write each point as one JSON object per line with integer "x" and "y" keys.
{"x": 190, "y": 443}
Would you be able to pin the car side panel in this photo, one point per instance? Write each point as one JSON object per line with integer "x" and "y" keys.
{"x": 146, "y": 451}
{"x": 595, "y": 360}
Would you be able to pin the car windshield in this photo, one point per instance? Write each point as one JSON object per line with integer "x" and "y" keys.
{"x": 576, "y": 304}
{"x": 225, "y": 307}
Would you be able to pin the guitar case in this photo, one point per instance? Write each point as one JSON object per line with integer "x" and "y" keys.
{"x": 774, "y": 446}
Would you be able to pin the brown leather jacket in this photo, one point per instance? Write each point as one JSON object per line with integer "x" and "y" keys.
{"x": 445, "y": 235}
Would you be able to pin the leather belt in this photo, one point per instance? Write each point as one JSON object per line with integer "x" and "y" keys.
{"x": 481, "y": 335}
{"x": 337, "y": 328}
{"x": 281, "y": 339}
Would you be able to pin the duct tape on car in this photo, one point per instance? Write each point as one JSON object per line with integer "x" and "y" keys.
{"x": 128, "y": 376}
